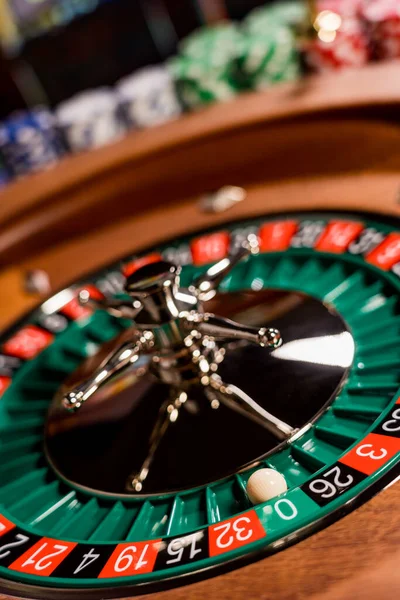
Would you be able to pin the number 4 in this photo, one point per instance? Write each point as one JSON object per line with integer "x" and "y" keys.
{"x": 88, "y": 559}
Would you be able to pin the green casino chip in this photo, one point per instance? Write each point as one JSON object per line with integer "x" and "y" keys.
{"x": 269, "y": 50}
{"x": 206, "y": 69}
{"x": 215, "y": 63}
{"x": 201, "y": 82}
{"x": 269, "y": 58}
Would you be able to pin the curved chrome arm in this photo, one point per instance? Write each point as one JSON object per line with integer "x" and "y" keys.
{"x": 225, "y": 330}
{"x": 126, "y": 355}
{"x": 168, "y": 414}
{"x": 118, "y": 308}
{"x": 235, "y": 398}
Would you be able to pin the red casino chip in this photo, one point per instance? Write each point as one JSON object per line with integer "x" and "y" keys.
{"x": 349, "y": 47}
{"x": 383, "y": 20}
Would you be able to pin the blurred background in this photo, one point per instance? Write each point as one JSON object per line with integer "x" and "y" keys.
{"x": 78, "y": 74}
{"x": 52, "y": 49}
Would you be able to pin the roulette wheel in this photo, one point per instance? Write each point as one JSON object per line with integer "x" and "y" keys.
{"x": 208, "y": 397}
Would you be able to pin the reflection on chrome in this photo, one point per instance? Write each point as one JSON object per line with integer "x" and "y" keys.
{"x": 330, "y": 350}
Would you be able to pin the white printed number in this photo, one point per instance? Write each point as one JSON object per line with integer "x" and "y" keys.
{"x": 88, "y": 559}
{"x": 307, "y": 235}
{"x": 127, "y": 556}
{"x": 368, "y": 240}
{"x": 177, "y": 547}
{"x": 287, "y": 513}
{"x": 390, "y": 252}
{"x": 19, "y": 540}
{"x": 240, "y": 529}
{"x": 394, "y": 423}
{"x": 213, "y": 247}
{"x": 372, "y": 454}
{"x": 339, "y": 234}
{"x": 325, "y": 488}
{"x": 44, "y": 562}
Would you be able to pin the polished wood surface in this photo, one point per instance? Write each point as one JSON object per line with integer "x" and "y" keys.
{"x": 363, "y": 191}
{"x": 332, "y": 143}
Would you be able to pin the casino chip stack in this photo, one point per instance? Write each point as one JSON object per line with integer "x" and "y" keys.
{"x": 342, "y": 40}
{"x": 90, "y": 119}
{"x": 269, "y": 54}
{"x": 383, "y": 21}
{"x": 29, "y": 141}
{"x": 148, "y": 97}
{"x": 205, "y": 70}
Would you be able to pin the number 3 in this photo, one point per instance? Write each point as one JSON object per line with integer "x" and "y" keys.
{"x": 371, "y": 454}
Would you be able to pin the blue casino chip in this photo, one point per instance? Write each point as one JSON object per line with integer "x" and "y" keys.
{"x": 30, "y": 141}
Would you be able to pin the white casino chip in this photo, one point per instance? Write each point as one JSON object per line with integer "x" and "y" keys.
{"x": 90, "y": 119}
{"x": 148, "y": 97}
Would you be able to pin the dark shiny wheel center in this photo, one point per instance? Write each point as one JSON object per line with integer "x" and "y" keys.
{"x": 109, "y": 439}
